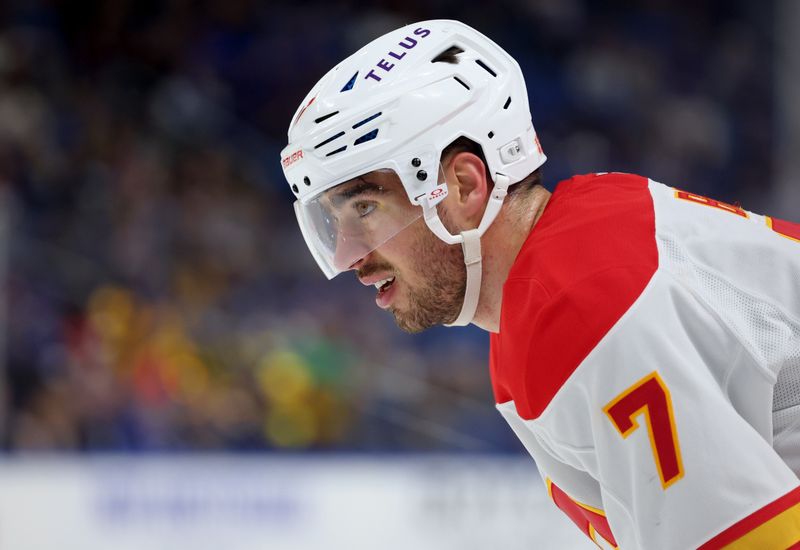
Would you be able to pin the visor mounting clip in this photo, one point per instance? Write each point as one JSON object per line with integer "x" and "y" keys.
{"x": 422, "y": 175}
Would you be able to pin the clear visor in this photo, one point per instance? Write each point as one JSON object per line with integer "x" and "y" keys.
{"x": 347, "y": 222}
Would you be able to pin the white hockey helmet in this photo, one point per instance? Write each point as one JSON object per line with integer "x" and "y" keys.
{"x": 392, "y": 106}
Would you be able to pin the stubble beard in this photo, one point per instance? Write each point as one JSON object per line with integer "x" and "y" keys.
{"x": 440, "y": 296}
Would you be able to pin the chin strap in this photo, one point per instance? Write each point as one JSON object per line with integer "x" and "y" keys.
{"x": 471, "y": 245}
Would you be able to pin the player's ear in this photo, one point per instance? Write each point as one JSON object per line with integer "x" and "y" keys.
{"x": 468, "y": 186}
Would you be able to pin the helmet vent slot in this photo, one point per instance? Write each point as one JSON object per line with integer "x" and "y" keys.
{"x": 508, "y": 102}
{"x": 367, "y": 137}
{"x": 350, "y": 83}
{"x": 373, "y": 117}
{"x": 461, "y": 82}
{"x": 448, "y": 56}
{"x": 486, "y": 67}
{"x": 325, "y": 117}
{"x": 330, "y": 139}
{"x": 339, "y": 150}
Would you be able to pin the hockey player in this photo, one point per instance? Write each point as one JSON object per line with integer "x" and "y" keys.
{"x": 645, "y": 341}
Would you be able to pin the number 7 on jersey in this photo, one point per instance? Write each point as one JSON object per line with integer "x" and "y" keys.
{"x": 650, "y": 397}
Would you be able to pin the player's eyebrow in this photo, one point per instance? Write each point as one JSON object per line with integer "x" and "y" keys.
{"x": 363, "y": 186}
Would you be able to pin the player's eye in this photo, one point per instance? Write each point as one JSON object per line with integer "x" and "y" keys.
{"x": 364, "y": 208}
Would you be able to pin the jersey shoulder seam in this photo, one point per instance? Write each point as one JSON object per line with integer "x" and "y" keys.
{"x": 552, "y": 297}
{"x": 722, "y": 319}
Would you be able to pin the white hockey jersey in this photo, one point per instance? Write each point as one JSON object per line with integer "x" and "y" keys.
{"x": 648, "y": 358}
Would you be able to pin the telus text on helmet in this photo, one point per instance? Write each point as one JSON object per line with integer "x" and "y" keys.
{"x": 407, "y": 43}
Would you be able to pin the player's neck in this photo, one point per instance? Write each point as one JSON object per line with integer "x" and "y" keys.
{"x": 501, "y": 245}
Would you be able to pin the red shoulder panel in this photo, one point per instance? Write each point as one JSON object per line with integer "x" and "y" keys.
{"x": 586, "y": 262}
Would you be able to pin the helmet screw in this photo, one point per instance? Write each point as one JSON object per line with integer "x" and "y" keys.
{"x": 306, "y": 180}
{"x": 294, "y": 188}
{"x": 415, "y": 162}
{"x": 422, "y": 175}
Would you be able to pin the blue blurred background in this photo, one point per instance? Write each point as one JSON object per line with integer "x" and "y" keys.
{"x": 157, "y": 295}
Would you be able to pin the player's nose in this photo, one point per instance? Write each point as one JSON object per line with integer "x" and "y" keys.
{"x": 350, "y": 252}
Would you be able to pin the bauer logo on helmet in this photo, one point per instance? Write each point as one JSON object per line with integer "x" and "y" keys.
{"x": 291, "y": 159}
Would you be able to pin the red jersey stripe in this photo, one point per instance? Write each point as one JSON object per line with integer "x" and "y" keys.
{"x": 775, "y": 526}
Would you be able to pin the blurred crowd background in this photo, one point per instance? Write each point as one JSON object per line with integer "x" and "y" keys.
{"x": 156, "y": 292}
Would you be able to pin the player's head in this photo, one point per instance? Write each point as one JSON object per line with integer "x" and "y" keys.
{"x": 365, "y": 162}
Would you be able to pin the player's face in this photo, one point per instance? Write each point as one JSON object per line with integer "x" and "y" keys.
{"x": 420, "y": 279}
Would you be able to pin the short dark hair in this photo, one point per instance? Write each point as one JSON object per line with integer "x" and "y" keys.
{"x": 464, "y": 144}
{"x": 450, "y": 55}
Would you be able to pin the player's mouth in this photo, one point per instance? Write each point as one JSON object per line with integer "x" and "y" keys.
{"x": 386, "y": 291}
